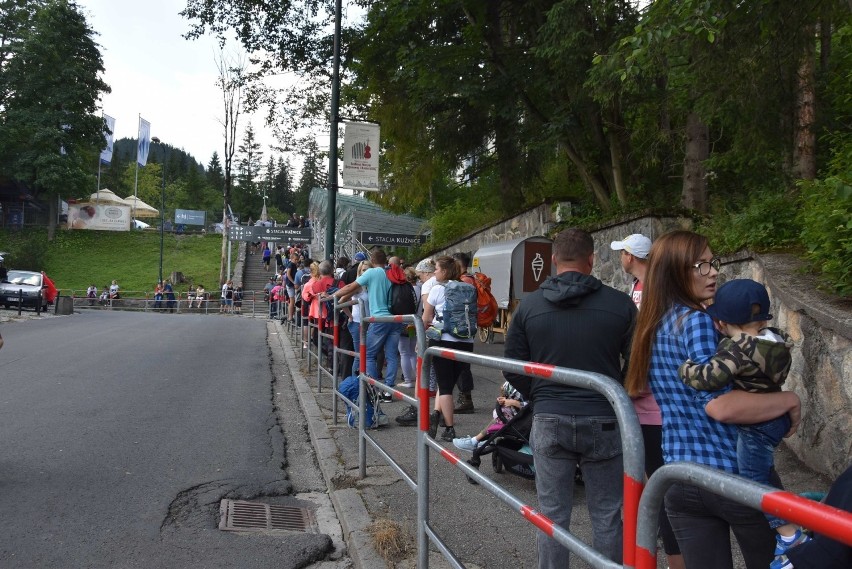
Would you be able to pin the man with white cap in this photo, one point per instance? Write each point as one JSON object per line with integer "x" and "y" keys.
{"x": 634, "y": 260}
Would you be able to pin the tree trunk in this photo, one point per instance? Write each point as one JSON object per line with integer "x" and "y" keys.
{"x": 694, "y": 194}
{"x": 616, "y": 157}
{"x": 600, "y": 192}
{"x": 804, "y": 142}
{"x": 222, "y": 264}
{"x": 507, "y": 164}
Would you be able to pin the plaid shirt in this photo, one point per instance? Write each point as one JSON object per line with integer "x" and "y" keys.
{"x": 689, "y": 434}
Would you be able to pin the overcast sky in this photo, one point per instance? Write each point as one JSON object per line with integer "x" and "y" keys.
{"x": 154, "y": 72}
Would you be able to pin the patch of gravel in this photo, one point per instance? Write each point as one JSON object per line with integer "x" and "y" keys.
{"x": 11, "y": 315}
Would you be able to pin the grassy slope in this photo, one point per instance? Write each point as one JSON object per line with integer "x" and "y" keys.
{"x": 77, "y": 259}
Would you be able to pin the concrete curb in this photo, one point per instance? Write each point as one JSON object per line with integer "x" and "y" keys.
{"x": 348, "y": 503}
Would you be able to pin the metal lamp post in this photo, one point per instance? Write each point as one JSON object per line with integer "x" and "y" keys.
{"x": 162, "y": 209}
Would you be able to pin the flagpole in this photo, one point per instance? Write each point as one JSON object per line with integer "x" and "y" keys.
{"x": 136, "y": 182}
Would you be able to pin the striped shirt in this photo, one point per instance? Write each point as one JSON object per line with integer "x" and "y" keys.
{"x": 689, "y": 434}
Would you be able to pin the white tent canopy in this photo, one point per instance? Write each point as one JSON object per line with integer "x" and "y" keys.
{"x": 140, "y": 208}
{"x": 107, "y": 197}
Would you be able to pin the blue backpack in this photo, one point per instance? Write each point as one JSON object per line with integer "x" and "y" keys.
{"x": 460, "y": 312}
{"x": 349, "y": 389}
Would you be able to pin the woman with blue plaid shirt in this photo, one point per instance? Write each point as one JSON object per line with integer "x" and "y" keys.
{"x": 698, "y": 426}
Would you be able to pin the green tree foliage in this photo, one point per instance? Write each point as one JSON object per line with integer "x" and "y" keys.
{"x": 248, "y": 194}
{"x": 314, "y": 175}
{"x": 50, "y": 131}
{"x": 616, "y": 104}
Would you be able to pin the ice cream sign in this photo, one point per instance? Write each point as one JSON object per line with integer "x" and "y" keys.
{"x": 537, "y": 266}
{"x": 537, "y": 263}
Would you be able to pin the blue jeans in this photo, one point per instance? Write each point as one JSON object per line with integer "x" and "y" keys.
{"x": 355, "y": 332}
{"x": 702, "y": 522}
{"x": 756, "y": 446}
{"x": 560, "y": 443}
{"x": 383, "y": 336}
{"x": 408, "y": 355}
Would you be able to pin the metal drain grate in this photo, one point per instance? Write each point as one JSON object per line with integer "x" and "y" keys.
{"x": 240, "y": 515}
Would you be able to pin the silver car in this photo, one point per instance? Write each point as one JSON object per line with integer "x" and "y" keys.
{"x": 29, "y": 284}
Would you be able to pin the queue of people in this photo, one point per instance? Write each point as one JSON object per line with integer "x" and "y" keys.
{"x": 700, "y": 362}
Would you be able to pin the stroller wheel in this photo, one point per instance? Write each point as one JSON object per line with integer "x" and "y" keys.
{"x": 497, "y": 463}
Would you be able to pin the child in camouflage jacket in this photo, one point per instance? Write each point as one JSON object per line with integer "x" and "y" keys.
{"x": 755, "y": 358}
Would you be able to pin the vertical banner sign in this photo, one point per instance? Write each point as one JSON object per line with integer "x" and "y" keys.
{"x": 106, "y": 153}
{"x": 144, "y": 142}
{"x": 361, "y": 156}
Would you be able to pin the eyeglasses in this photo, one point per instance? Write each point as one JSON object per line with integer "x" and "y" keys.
{"x": 705, "y": 266}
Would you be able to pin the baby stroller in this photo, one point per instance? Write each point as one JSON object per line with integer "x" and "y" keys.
{"x": 509, "y": 446}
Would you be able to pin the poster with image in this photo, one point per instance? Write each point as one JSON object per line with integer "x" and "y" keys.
{"x": 104, "y": 217}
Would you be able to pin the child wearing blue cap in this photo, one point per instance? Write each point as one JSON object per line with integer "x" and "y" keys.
{"x": 755, "y": 358}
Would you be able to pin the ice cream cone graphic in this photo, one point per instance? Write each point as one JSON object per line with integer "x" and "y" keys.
{"x": 537, "y": 266}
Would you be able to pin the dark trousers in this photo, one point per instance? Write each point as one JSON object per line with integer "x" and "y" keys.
{"x": 702, "y": 522}
{"x": 822, "y": 552}
{"x": 465, "y": 379}
{"x": 652, "y": 436}
{"x": 345, "y": 343}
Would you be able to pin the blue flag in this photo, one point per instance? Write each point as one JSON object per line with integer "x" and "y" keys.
{"x": 106, "y": 153}
{"x": 144, "y": 142}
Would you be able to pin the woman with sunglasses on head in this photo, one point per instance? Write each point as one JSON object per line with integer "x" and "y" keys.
{"x": 698, "y": 426}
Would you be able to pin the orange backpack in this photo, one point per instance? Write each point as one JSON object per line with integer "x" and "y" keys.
{"x": 486, "y": 304}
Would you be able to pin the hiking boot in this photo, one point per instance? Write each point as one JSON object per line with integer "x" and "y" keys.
{"x": 449, "y": 434}
{"x": 434, "y": 418}
{"x": 464, "y": 404}
{"x": 409, "y": 418}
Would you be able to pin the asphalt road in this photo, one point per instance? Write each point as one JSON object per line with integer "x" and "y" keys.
{"x": 121, "y": 432}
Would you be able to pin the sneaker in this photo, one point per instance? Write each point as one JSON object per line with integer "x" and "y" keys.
{"x": 449, "y": 434}
{"x": 409, "y": 418}
{"x": 781, "y": 547}
{"x": 466, "y": 443}
{"x": 386, "y": 397}
{"x": 434, "y": 418}
{"x": 407, "y": 384}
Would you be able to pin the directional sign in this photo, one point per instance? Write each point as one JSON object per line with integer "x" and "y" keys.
{"x": 392, "y": 239}
{"x": 240, "y": 233}
{"x": 190, "y": 216}
{"x": 279, "y": 233}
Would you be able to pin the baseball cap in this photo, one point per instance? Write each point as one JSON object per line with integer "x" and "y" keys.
{"x": 734, "y": 300}
{"x": 425, "y": 266}
{"x": 637, "y": 245}
{"x": 360, "y": 256}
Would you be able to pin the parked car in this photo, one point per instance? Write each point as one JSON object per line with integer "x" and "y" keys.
{"x": 33, "y": 286}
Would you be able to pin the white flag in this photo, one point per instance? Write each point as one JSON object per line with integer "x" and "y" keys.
{"x": 106, "y": 153}
{"x": 144, "y": 142}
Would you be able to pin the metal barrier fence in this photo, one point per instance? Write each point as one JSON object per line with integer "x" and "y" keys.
{"x": 253, "y": 303}
{"x": 815, "y": 516}
{"x": 641, "y": 503}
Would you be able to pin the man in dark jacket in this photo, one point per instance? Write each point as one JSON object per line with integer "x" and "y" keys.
{"x": 574, "y": 426}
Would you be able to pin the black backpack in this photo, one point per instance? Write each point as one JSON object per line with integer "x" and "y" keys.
{"x": 401, "y": 297}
